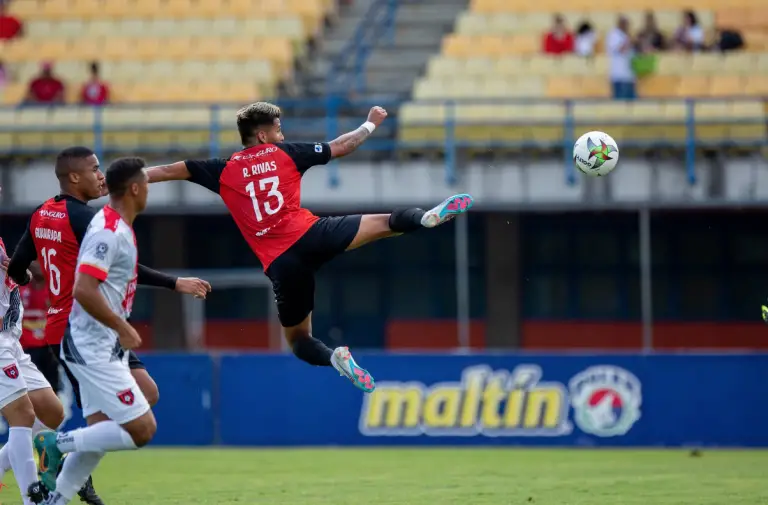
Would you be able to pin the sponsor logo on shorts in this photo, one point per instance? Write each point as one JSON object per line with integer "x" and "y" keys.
{"x": 11, "y": 371}
{"x": 126, "y": 397}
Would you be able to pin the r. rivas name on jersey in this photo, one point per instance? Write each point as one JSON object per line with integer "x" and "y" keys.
{"x": 48, "y": 234}
{"x": 261, "y": 168}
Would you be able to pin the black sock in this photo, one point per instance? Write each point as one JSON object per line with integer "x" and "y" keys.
{"x": 405, "y": 220}
{"x": 312, "y": 351}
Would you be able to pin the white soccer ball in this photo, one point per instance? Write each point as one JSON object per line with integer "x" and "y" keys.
{"x": 596, "y": 153}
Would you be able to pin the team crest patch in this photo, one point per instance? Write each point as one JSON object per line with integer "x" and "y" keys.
{"x": 126, "y": 397}
{"x": 11, "y": 371}
{"x": 606, "y": 400}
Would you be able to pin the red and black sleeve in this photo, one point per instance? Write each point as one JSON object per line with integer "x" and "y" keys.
{"x": 23, "y": 255}
{"x": 206, "y": 173}
{"x": 306, "y": 155}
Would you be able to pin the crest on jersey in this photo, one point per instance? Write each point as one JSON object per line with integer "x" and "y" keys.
{"x": 606, "y": 400}
{"x": 126, "y": 397}
{"x": 11, "y": 371}
{"x": 101, "y": 250}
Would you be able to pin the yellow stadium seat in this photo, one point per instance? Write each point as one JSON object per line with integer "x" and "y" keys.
{"x": 739, "y": 63}
{"x": 478, "y": 67}
{"x": 674, "y": 64}
{"x": 563, "y": 87}
{"x": 13, "y": 93}
{"x": 748, "y": 120}
{"x": 472, "y": 24}
{"x": 712, "y": 120}
{"x": 756, "y": 85}
{"x": 657, "y": 86}
{"x": 727, "y": 85}
{"x": 443, "y": 66}
{"x": 544, "y": 65}
{"x": 595, "y": 87}
{"x": 707, "y": 63}
{"x": 693, "y": 86}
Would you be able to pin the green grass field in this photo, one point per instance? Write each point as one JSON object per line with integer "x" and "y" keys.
{"x": 428, "y": 477}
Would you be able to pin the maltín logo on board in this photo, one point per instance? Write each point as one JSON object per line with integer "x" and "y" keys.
{"x": 505, "y": 403}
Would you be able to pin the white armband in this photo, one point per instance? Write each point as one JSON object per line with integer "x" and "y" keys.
{"x": 369, "y": 126}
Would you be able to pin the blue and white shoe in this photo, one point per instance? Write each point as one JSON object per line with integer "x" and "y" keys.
{"x": 342, "y": 361}
{"x": 447, "y": 210}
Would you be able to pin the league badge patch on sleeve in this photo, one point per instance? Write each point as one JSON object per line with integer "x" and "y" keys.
{"x": 101, "y": 250}
{"x": 318, "y": 148}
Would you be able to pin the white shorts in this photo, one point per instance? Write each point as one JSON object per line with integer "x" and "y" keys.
{"x": 110, "y": 388}
{"x": 19, "y": 375}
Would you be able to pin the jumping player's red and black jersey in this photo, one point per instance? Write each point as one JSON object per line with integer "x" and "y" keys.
{"x": 53, "y": 236}
{"x": 35, "y": 302}
{"x": 261, "y": 187}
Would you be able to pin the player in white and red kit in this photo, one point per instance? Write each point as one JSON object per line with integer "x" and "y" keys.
{"x": 53, "y": 237}
{"x": 261, "y": 187}
{"x": 19, "y": 379}
{"x": 96, "y": 341}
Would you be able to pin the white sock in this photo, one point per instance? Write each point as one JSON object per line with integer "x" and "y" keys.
{"x": 22, "y": 460}
{"x": 5, "y": 460}
{"x": 106, "y": 436}
{"x": 78, "y": 466}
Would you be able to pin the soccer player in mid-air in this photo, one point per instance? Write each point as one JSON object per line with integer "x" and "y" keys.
{"x": 261, "y": 187}
{"x": 95, "y": 344}
{"x": 53, "y": 237}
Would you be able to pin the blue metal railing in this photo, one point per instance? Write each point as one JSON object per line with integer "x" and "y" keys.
{"x": 451, "y": 129}
{"x": 348, "y": 68}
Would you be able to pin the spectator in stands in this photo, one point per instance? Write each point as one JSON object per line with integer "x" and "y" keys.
{"x": 586, "y": 39}
{"x": 559, "y": 40}
{"x": 46, "y": 88}
{"x": 618, "y": 45}
{"x": 95, "y": 91}
{"x": 650, "y": 37}
{"x": 10, "y": 27}
{"x": 690, "y": 35}
{"x": 3, "y": 77}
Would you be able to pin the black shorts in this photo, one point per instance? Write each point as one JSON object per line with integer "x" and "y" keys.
{"x": 133, "y": 363}
{"x": 47, "y": 362}
{"x": 293, "y": 272}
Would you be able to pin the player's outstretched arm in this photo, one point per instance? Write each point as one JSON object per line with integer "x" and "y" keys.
{"x": 174, "y": 172}
{"x": 184, "y": 285}
{"x": 349, "y": 142}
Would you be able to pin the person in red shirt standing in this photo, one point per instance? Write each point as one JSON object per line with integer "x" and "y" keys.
{"x": 261, "y": 187}
{"x": 34, "y": 298}
{"x": 46, "y": 88}
{"x": 95, "y": 91}
{"x": 559, "y": 40}
{"x": 10, "y": 27}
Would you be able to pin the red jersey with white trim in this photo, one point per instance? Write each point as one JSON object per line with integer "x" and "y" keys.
{"x": 35, "y": 302}
{"x": 109, "y": 254}
{"x": 261, "y": 187}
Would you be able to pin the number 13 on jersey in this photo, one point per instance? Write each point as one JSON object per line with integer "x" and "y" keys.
{"x": 270, "y": 185}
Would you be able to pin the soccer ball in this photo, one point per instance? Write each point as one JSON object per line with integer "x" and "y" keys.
{"x": 596, "y": 153}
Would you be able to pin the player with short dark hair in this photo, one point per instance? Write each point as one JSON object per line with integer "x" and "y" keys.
{"x": 261, "y": 187}
{"x": 53, "y": 236}
{"x": 95, "y": 343}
